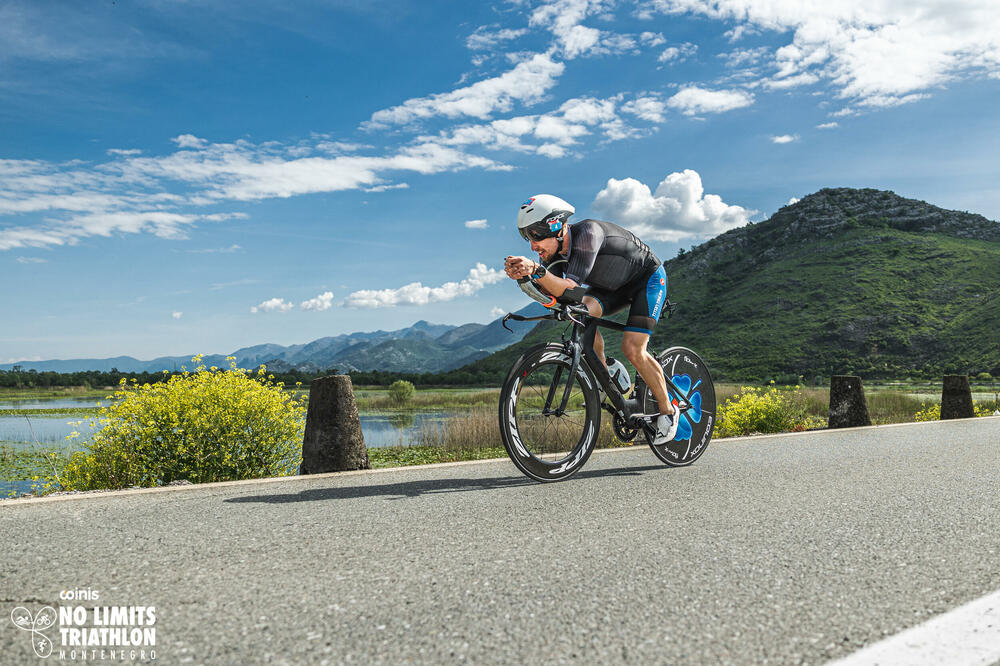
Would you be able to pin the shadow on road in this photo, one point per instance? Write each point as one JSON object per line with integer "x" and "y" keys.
{"x": 428, "y": 487}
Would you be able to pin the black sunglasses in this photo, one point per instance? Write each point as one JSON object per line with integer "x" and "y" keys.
{"x": 537, "y": 233}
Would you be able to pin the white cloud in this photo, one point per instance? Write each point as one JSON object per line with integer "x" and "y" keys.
{"x": 678, "y": 53}
{"x": 476, "y": 224}
{"x": 70, "y": 230}
{"x": 320, "y": 303}
{"x": 416, "y": 293}
{"x": 189, "y": 141}
{"x": 497, "y": 312}
{"x": 693, "y": 100}
{"x": 552, "y": 151}
{"x": 123, "y": 152}
{"x": 558, "y": 130}
{"x": 154, "y": 194}
{"x": 612, "y": 43}
{"x": 588, "y": 110}
{"x": 487, "y": 37}
{"x": 527, "y": 83}
{"x": 793, "y": 200}
{"x": 801, "y": 79}
{"x": 340, "y": 147}
{"x": 652, "y": 39}
{"x": 176, "y": 315}
{"x": 877, "y": 54}
{"x": 785, "y": 138}
{"x": 221, "y": 250}
{"x": 679, "y": 208}
{"x": 273, "y": 305}
{"x": 648, "y": 108}
{"x": 832, "y": 125}
{"x": 244, "y": 172}
{"x": 744, "y": 57}
{"x": 32, "y": 260}
{"x": 563, "y": 19}
{"x": 385, "y": 188}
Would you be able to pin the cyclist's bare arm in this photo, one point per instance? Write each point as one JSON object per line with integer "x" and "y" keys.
{"x": 519, "y": 267}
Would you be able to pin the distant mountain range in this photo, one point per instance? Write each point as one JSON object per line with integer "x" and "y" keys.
{"x": 422, "y": 347}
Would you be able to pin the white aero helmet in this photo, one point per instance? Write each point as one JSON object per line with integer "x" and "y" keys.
{"x": 543, "y": 216}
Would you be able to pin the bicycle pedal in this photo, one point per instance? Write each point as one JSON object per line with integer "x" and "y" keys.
{"x": 637, "y": 419}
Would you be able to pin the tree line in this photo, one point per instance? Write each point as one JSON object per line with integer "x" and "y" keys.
{"x": 18, "y": 378}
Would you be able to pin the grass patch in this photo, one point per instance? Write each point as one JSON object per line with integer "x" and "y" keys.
{"x": 471, "y": 436}
{"x": 399, "y": 456}
{"x": 57, "y": 411}
{"x": 894, "y": 407}
{"x": 65, "y": 392}
{"x": 382, "y": 401}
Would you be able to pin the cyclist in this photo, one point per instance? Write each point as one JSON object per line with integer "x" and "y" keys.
{"x": 618, "y": 269}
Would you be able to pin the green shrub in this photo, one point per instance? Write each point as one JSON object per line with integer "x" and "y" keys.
{"x": 755, "y": 410}
{"x": 201, "y": 426}
{"x": 984, "y": 377}
{"x": 401, "y": 392}
{"x": 933, "y": 412}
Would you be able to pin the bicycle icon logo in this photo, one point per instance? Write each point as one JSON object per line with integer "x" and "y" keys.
{"x": 35, "y": 624}
{"x": 684, "y": 429}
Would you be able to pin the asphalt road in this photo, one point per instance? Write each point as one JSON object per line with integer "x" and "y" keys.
{"x": 785, "y": 549}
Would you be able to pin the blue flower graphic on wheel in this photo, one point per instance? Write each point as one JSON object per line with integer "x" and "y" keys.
{"x": 693, "y": 415}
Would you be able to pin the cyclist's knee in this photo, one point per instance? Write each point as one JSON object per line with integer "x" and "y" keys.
{"x": 593, "y": 306}
{"x": 634, "y": 346}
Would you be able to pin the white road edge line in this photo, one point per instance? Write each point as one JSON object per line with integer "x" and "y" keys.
{"x": 966, "y": 636}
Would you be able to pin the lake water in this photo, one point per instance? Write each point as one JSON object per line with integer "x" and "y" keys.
{"x": 394, "y": 429}
{"x": 380, "y": 430}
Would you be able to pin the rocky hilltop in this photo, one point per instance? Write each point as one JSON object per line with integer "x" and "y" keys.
{"x": 831, "y": 212}
{"x": 844, "y": 281}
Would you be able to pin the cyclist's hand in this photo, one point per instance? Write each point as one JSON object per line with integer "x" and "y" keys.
{"x": 518, "y": 267}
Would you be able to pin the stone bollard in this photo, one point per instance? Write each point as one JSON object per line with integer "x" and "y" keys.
{"x": 956, "y": 398}
{"x": 848, "y": 407}
{"x": 333, "y": 440}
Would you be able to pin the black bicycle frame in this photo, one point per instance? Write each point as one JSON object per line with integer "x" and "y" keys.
{"x": 581, "y": 346}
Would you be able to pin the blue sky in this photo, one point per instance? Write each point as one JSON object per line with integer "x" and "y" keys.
{"x": 197, "y": 176}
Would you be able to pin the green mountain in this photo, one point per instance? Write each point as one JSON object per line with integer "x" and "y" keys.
{"x": 844, "y": 281}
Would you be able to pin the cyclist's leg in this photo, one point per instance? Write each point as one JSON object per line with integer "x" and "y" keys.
{"x": 647, "y": 306}
{"x": 634, "y": 346}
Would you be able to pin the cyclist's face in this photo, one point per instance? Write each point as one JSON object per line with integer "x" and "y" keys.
{"x": 546, "y": 248}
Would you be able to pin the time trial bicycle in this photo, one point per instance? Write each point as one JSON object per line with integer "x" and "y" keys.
{"x": 551, "y": 400}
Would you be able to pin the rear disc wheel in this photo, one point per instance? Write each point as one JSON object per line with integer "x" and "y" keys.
{"x": 697, "y": 421}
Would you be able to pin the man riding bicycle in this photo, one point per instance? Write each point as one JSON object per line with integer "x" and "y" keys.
{"x": 618, "y": 269}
